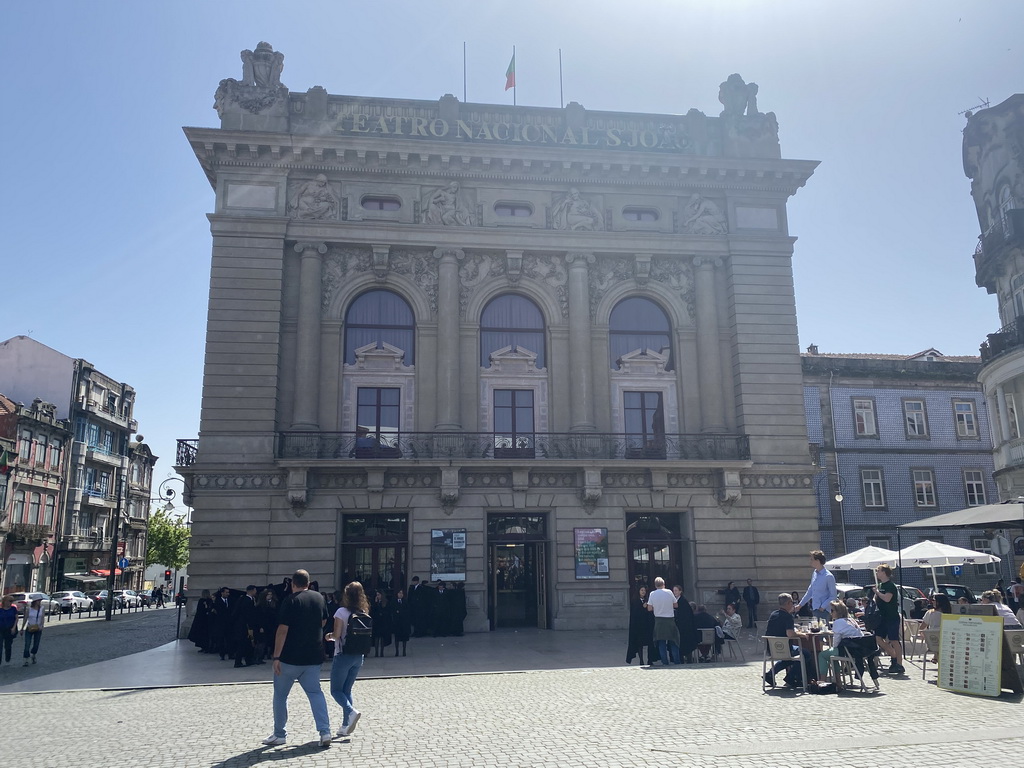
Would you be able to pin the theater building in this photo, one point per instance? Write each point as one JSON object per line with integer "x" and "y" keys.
{"x": 542, "y": 353}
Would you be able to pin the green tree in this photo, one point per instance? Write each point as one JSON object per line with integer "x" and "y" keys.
{"x": 167, "y": 540}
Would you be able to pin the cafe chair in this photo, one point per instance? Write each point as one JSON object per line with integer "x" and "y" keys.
{"x": 778, "y": 649}
{"x": 732, "y": 644}
{"x": 707, "y": 638}
{"x": 912, "y": 641}
{"x": 1015, "y": 642}
{"x": 931, "y": 648}
{"x": 855, "y": 656}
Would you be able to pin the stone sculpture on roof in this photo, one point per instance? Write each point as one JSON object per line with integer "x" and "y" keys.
{"x": 260, "y": 89}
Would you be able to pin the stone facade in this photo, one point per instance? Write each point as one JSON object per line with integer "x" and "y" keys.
{"x": 568, "y": 335}
{"x": 992, "y": 154}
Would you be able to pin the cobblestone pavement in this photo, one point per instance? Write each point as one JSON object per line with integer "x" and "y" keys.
{"x": 80, "y": 640}
{"x": 592, "y": 718}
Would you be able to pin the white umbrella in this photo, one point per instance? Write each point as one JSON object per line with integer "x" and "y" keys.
{"x": 862, "y": 559}
{"x": 934, "y": 554}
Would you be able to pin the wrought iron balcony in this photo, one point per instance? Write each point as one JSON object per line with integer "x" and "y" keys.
{"x": 344, "y": 446}
{"x": 186, "y": 453}
{"x": 1006, "y": 234}
{"x": 1007, "y": 339}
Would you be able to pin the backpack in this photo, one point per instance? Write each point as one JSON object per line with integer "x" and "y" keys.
{"x": 358, "y": 634}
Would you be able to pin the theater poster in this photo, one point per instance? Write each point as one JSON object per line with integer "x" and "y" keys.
{"x": 448, "y": 554}
{"x": 591, "y": 546}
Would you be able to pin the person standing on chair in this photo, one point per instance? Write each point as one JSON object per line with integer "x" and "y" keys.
{"x": 751, "y": 598}
{"x": 298, "y": 654}
{"x": 822, "y": 589}
{"x": 662, "y": 603}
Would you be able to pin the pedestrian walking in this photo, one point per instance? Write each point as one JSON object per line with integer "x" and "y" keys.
{"x": 822, "y": 589}
{"x": 751, "y": 599}
{"x": 32, "y": 626}
{"x": 158, "y": 596}
{"x": 353, "y": 636}
{"x": 298, "y": 653}
{"x": 8, "y": 626}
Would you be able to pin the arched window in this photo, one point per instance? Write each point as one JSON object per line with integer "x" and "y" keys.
{"x": 380, "y": 317}
{"x": 638, "y": 323}
{"x": 511, "y": 321}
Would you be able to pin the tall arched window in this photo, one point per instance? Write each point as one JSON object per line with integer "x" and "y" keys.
{"x": 638, "y": 323}
{"x": 376, "y": 317}
{"x": 511, "y": 321}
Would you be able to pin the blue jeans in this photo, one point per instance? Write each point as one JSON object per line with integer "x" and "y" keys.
{"x": 32, "y": 639}
{"x": 824, "y": 615}
{"x": 308, "y": 677}
{"x": 673, "y": 650}
{"x": 344, "y": 671}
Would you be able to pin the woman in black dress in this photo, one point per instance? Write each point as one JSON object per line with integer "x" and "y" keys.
{"x": 401, "y": 621}
{"x": 641, "y": 628}
{"x": 380, "y": 613}
{"x": 689, "y": 637}
{"x": 202, "y": 624}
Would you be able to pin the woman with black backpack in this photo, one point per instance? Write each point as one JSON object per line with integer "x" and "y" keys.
{"x": 353, "y": 637}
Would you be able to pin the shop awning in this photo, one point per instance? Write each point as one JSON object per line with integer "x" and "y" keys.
{"x": 105, "y": 572}
{"x": 85, "y": 578}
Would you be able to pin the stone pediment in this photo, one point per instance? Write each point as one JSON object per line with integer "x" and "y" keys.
{"x": 513, "y": 360}
{"x": 643, "y": 362}
{"x": 383, "y": 357}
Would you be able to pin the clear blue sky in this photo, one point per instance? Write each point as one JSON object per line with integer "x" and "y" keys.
{"x": 106, "y": 245}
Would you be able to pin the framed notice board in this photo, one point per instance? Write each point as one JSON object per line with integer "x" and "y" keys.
{"x": 971, "y": 654}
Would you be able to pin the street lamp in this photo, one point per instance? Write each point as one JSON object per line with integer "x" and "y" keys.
{"x": 835, "y": 485}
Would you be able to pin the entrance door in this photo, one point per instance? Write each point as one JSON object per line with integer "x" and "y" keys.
{"x": 517, "y": 586}
{"x": 377, "y": 566}
{"x": 656, "y": 548}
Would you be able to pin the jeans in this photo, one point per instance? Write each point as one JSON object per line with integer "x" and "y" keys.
{"x": 308, "y": 677}
{"x": 32, "y": 640}
{"x": 344, "y": 671}
{"x": 824, "y": 614}
{"x": 672, "y": 652}
{"x": 7, "y": 636}
{"x": 751, "y": 615}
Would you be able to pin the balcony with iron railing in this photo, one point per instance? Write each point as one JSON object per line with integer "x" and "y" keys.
{"x": 1005, "y": 234}
{"x": 390, "y": 446}
{"x": 1007, "y": 339}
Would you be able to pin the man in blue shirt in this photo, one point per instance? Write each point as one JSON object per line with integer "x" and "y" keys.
{"x": 822, "y": 589}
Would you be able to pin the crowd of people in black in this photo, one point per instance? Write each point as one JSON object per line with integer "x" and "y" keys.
{"x": 240, "y": 624}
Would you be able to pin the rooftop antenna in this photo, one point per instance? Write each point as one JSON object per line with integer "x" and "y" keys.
{"x": 970, "y": 110}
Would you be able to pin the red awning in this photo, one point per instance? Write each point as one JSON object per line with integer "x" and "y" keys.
{"x": 105, "y": 572}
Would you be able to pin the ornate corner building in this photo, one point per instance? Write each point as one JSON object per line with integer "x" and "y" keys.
{"x": 993, "y": 158}
{"x": 543, "y": 353}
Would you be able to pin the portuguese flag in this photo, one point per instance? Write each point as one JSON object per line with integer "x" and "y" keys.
{"x": 510, "y": 73}
{"x": 5, "y": 462}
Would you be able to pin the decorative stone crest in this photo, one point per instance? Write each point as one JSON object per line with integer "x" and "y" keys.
{"x": 475, "y": 269}
{"x": 550, "y": 271}
{"x": 260, "y": 87}
{"x": 574, "y": 213}
{"x": 313, "y": 199}
{"x": 447, "y": 207}
{"x": 703, "y": 217}
{"x": 677, "y": 275}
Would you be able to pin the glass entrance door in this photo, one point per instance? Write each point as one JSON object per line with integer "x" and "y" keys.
{"x": 377, "y": 566}
{"x": 656, "y": 548}
{"x": 517, "y": 596}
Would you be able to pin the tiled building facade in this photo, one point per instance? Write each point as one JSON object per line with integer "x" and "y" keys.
{"x": 545, "y": 353}
{"x": 900, "y": 438}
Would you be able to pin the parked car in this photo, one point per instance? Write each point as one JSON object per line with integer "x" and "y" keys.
{"x": 907, "y": 594}
{"x": 146, "y": 596}
{"x": 22, "y": 599}
{"x": 129, "y": 598}
{"x": 956, "y": 591}
{"x": 72, "y": 601}
{"x": 99, "y": 599}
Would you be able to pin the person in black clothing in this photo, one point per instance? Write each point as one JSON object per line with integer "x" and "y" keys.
{"x": 380, "y": 613}
{"x": 202, "y": 624}
{"x": 441, "y": 611}
{"x": 400, "y": 615}
{"x": 243, "y": 628}
{"x": 266, "y": 624}
{"x": 221, "y": 623}
{"x": 751, "y": 598}
{"x": 456, "y": 610}
{"x": 805, "y": 611}
{"x": 641, "y": 628}
{"x": 689, "y": 637}
{"x": 781, "y": 624}
{"x": 704, "y": 620}
{"x": 732, "y": 595}
{"x": 333, "y": 601}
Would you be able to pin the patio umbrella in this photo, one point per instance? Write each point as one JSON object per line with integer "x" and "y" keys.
{"x": 862, "y": 559}
{"x": 935, "y": 554}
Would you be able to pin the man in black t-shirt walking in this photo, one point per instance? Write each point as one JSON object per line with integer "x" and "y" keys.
{"x": 298, "y": 654}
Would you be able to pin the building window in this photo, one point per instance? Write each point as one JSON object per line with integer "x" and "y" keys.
{"x": 1005, "y": 206}
{"x": 19, "y": 507}
{"x": 974, "y": 487}
{"x": 874, "y": 492}
{"x": 511, "y": 321}
{"x": 25, "y": 449}
{"x": 924, "y": 488}
{"x": 966, "y": 419}
{"x": 981, "y": 544}
{"x": 33, "y": 509}
{"x": 915, "y": 418}
{"x": 521, "y": 210}
{"x": 513, "y": 423}
{"x": 883, "y": 542}
{"x": 376, "y": 317}
{"x": 645, "y": 425}
{"x": 1011, "y": 416}
{"x": 864, "y": 417}
{"x": 638, "y": 323}
{"x": 375, "y": 203}
{"x": 640, "y": 214}
{"x": 378, "y": 410}
{"x": 55, "y": 453}
{"x": 51, "y": 506}
{"x": 112, "y": 403}
{"x": 93, "y": 435}
{"x": 41, "y": 450}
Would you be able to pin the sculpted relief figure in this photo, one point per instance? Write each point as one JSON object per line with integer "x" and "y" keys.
{"x": 260, "y": 87}
{"x": 574, "y": 213}
{"x": 447, "y": 207}
{"x": 314, "y": 200}
{"x": 702, "y": 217}
{"x": 262, "y": 67}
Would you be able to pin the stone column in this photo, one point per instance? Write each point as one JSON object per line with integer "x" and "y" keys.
{"x": 580, "y": 358}
{"x": 709, "y": 356}
{"x": 448, "y": 398}
{"x": 305, "y": 414}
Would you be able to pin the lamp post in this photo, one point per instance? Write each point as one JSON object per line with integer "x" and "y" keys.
{"x": 835, "y": 486}
{"x": 121, "y": 492}
{"x": 163, "y": 492}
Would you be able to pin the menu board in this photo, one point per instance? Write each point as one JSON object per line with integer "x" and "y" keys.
{"x": 971, "y": 654}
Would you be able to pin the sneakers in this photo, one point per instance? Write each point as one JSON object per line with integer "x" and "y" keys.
{"x": 769, "y": 679}
{"x": 353, "y": 720}
{"x": 325, "y": 741}
{"x": 33, "y": 658}
{"x": 274, "y": 741}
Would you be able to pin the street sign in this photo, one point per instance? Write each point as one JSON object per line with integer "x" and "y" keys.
{"x": 1000, "y": 545}
{"x": 957, "y": 570}
{"x": 123, "y": 563}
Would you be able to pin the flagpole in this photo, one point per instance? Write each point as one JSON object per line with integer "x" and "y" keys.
{"x": 464, "y": 72}
{"x": 561, "y": 96}
{"x": 513, "y": 75}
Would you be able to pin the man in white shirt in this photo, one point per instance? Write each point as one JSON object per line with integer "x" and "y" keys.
{"x": 663, "y": 604}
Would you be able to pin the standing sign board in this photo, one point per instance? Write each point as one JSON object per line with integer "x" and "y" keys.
{"x": 970, "y": 654}
{"x": 448, "y": 554}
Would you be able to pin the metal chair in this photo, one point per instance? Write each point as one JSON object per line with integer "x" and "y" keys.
{"x": 1015, "y": 642}
{"x": 708, "y": 636}
{"x": 778, "y": 649}
{"x": 855, "y": 657}
{"x": 912, "y": 641}
{"x": 732, "y": 644}
{"x": 931, "y": 647}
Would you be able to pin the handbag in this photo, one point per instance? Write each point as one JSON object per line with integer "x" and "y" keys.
{"x": 33, "y": 628}
{"x": 872, "y": 616}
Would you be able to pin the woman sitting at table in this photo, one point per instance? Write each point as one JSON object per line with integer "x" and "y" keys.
{"x": 933, "y": 618}
{"x": 995, "y": 597}
{"x": 842, "y": 628}
{"x": 732, "y": 623}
